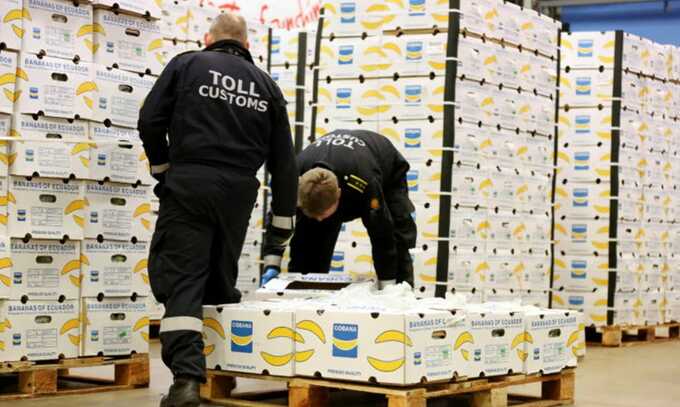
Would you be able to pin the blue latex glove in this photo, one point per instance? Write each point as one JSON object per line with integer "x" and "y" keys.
{"x": 269, "y": 274}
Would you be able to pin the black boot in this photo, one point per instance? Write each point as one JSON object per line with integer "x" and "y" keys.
{"x": 183, "y": 393}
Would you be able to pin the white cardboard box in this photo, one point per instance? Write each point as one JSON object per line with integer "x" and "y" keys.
{"x": 57, "y": 148}
{"x": 201, "y": 17}
{"x": 121, "y": 95}
{"x": 127, "y": 42}
{"x": 5, "y": 268}
{"x": 45, "y": 208}
{"x": 295, "y": 285}
{"x": 150, "y": 8}
{"x": 118, "y": 211}
{"x": 8, "y": 68}
{"x": 11, "y": 30}
{"x": 124, "y": 162}
{"x": 390, "y": 347}
{"x": 5, "y": 131}
{"x": 174, "y": 20}
{"x": 45, "y": 270}
{"x": 556, "y": 340}
{"x": 40, "y": 330}
{"x": 55, "y": 87}
{"x": 115, "y": 269}
{"x": 250, "y": 339}
{"x": 114, "y": 326}
{"x": 59, "y": 29}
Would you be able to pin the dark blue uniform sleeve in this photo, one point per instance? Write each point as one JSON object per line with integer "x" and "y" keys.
{"x": 380, "y": 227}
{"x": 155, "y": 118}
{"x": 282, "y": 166}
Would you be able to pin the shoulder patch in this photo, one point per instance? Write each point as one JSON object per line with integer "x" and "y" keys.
{"x": 356, "y": 183}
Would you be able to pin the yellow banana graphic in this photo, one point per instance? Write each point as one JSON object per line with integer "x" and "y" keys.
{"x": 141, "y": 323}
{"x": 145, "y": 336}
{"x": 387, "y": 366}
{"x": 91, "y": 28}
{"x": 285, "y": 332}
{"x": 208, "y": 349}
{"x": 465, "y": 337}
{"x": 303, "y": 356}
{"x": 145, "y": 278}
{"x": 155, "y": 44}
{"x": 8, "y": 78}
{"x": 521, "y": 338}
{"x": 394, "y": 336}
{"x": 141, "y": 265}
{"x": 142, "y": 209}
{"x": 69, "y": 325}
{"x": 75, "y": 339}
{"x": 522, "y": 355}
{"x": 573, "y": 338}
{"x": 70, "y": 266}
{"x": 5, "y": 325}
{"x": 465, "y": 353}
{"x": 215, "y": 326}
{"x": 12, "y": 96}
{"x": 275, "y": 360}
{"x": 84, "y": 260}
{"x": 79, "y": 148}
{"x": 312, "y": 327}
{"x": 85, "y": 87}
{"x": 5, "y": 262}
{"x": 76, "y": 281}
{"x": 78, "y": 204}
{"x": 6, "y": 281}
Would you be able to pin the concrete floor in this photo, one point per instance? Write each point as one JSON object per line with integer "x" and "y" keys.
{"x": 640, "y": 376}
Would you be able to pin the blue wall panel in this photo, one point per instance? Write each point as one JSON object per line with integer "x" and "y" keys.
{"x": 658, "y": 21}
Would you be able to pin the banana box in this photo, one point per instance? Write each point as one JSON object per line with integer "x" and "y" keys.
{"x": 296, "y": 285}
{"x": 251, "y": 338}
{"x": 470, "y": 230}
{"x": 424, "y": 178}
{"x": 536, "y": 298}
{"x": 5, "y": 268}
{"x": 573, "y": 272}
{"x": 117, "y": 211}
{"x": 584, "y": 126}
{"x": 505, "y": 272}
{"x": 285, "y": 48}
{"x": 121, "y": 95}
{"x": 427, "y": 218}
{"x": 45, "y": 270}
{"x": 55, "y": 87}
{"x": 359, "y": 261}
{"x": 586, "y": 88}
{"x": 174, "y": 20}
{"x": 471, "y": 186}
{"x": 125, "y": 162}
{"x": 539, "y": 32}
{"x": 40, "y": 330}
{"x": 583, "y": 200}
{"x": 651, "y": 308}
{"x": 286, "y": 78}
{"x": 257, "y": 217}
{"x": 114, "y": 269}
{"x": 672, "y": 306}
{"x": 58, "y": 29}
{"x": 420, "y": 14}
{"x": 114, "y": 326}
{"x": 424, "y": 268}
{"x": 45, "y": 208}
{"x": 535, "y": 273}
{"x": 54, "y": 147}
{"x": 416, "y": 54}
{"x": 477, "y": 60}
{"x": 248, "y": 273}
{"x": 354, "y": 18}
{"x": 585, "y": 164}
{"x": 474, "y": 144}
{"x": 375, "y": 344}
{"x": 537, "y": 74}
{"x": 5, "y": 131}
{"x": 11, "y": 30}
{"x": 481, "y": 17}
{"x": 556, "y": 340}
{"x": 417, "y": 140}
{"x": 413, "y": 98}
{"x": 493, "y": 338}
{"x": 535, "y": 114}
{"x": 467, "y": 271}
{"x": 127, "y": 42}
{"x": 593, "y": 50}
{"x": 593, "y": 305}
{"x": 8, "y": 78}
{"x": 582, "y": 235}
{"x": 144, "y": 8}
{"x": 201, "y": 17}
{"x": 350, "y": 100}
{"x": 354, "y": 57}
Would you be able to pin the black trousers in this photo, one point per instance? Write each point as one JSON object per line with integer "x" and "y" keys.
{"x": 311, "y": 248}
{"x": 193, "y": 258}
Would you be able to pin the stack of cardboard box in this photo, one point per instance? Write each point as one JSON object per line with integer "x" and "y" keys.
{"x": 76, "y": 182}
{"x": 384, "y": 67}
{"x": 616, "y": 224}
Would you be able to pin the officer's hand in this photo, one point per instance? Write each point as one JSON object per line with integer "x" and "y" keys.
{"x": 270, "y": 273}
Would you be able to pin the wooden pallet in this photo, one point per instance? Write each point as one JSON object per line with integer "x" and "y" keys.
{"x": 630, "y": 335}
{"x": 25, "y": 380}
{"x": 557, "y": 390}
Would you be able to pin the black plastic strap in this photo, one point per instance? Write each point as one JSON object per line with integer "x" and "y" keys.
{"x": 614, "y": 168}
{"x": 443, "y": 246}
{"x": 315, "y": 89}
{"x": 300, "y": 91}
{"x": 265, "y": 192}
{"x": 555, "y": 161}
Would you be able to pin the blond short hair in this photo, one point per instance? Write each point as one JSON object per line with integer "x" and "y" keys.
{"x": 228, "y": 26}
{"x": 318, "y": 192}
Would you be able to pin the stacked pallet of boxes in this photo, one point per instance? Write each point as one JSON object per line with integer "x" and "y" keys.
{"x": 466, "y": 91}
{"x": 389, "y": 338}
{"x": 616, "y": 223}
{"x": 74, "y": 278}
